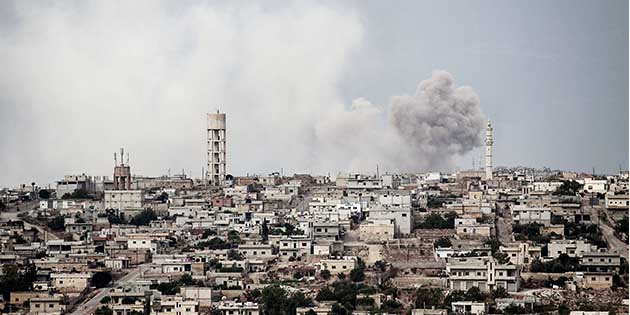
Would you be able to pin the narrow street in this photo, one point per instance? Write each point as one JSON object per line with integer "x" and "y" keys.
{"x": 504, "y": 227}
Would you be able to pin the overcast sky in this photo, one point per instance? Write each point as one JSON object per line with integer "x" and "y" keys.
{"x": 79, "y": 80}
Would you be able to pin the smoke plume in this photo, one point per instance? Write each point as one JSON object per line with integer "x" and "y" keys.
{"x": 421, "y": 132}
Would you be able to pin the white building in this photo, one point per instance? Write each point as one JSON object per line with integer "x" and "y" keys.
{"x": 523, "y": 214}
{"x": 401, "y": 216}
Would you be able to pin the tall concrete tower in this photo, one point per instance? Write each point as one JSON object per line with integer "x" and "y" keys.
{"x": 489, "y": 143}
{"x": 122, "y": 172}
{"x": 216, "y": 149}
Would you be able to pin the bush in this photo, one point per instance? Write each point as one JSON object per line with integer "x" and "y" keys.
{"x": 442, "y": 242}
{"x": 325, "y": 274}
{"x": 357, "y": 275}
{"x": 103, "y": 310}
{"x": 106, "y": 300}
{"x": 44, "y": 194}
{"x": 568, "y": 188}
{"x": 57, "y": 223}
{"x": 436, "y": 221}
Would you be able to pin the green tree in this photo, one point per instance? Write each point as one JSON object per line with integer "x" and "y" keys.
{"x": 568, "y": 188}
{"x": 357, "y": 275}
{"x": 264, "y": 231}
{"x": 106, "y": 300}
{"x": 275, "y": 301}
{"x": 234, "y": 255}
{"x": 622, "y": 225}
{"x": 442, "y": 242}
{"x": 144, "y": 218}
{"x": 501, "y": 257}
{"x": 325, "y": 274}
{"x": 44, "y": 194}
{"x": 103, "y": 310}
{"x": 101, "y": 279}
{"x": 429, "y": 297}
{"x": 325, "y": 294}
{"x": 338, "y": 309}
{"x": 163, "y": 198}
{"x": 234, "y": 237}
{"x": 57, "y": 223}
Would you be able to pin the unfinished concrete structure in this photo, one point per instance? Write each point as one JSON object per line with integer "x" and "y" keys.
{"x": 122, "y": 172}
{"x": 216, "y": 149}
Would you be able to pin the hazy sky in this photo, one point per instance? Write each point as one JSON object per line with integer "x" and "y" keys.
{"x": 79, "y": 80}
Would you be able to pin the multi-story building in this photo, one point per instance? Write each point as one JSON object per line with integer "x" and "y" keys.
{"x": 238, "y": 308}
{"x": 523, "y": 214}
{"x": 482, "y": 272}
{"x": 601, "y": 261}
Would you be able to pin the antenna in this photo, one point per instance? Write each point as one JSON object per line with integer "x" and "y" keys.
{"x": 115, "y": 159}
{"x": 122, "y": 156}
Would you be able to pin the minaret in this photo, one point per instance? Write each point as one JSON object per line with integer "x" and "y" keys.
{"x": 216, "y": 149}
{"x": 489, "y": 143}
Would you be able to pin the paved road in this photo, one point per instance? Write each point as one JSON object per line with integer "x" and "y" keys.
{"x": 608, "y": 232}
{"x": 89, "y": 306}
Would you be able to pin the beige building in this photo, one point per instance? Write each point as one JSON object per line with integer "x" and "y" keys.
{"x": 123, "y": 199}
{"x": 337, "y": 266}
{"x": 521, "y": 253}
{"x": 377, "y": 230}
{"x": 572, "y": 248}
{"x": 482, "y": 272}
{"x": 47, "y": 305}
{"x": 70, "y": 282}
{"x": 595, "y": 280}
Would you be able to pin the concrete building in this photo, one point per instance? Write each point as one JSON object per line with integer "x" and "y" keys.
{"x": 594, "y": 280}
{"x": 469, "y": 227}
{"x": 377, "y": 230}
{"x": 122, "y": 172}
{"x": 70, "y": 282}
{"x": 239, "y": 308}
{"x": 71, "y": 183}
{"x": 521, "y": 253}
{"x": 482, "y": 272}
{"x": 216, "y": 149}
{"x": 523, "y": 214}
{"x": 468, "y": 307}
{"x": 340, "y": 265}
{"x": 572, "y": 248}
{"x": 123, "y": 199}
{"x": 401, "y": 216}
{"x": 489, "y": 143}
{"x": 601, "y": 261}
{"x": 48, "y": 305}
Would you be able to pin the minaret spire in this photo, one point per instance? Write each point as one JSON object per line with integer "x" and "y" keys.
{"x": 489, "y": 143}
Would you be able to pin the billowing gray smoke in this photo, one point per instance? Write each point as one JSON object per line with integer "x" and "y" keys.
{"x": 424, "y": 131}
